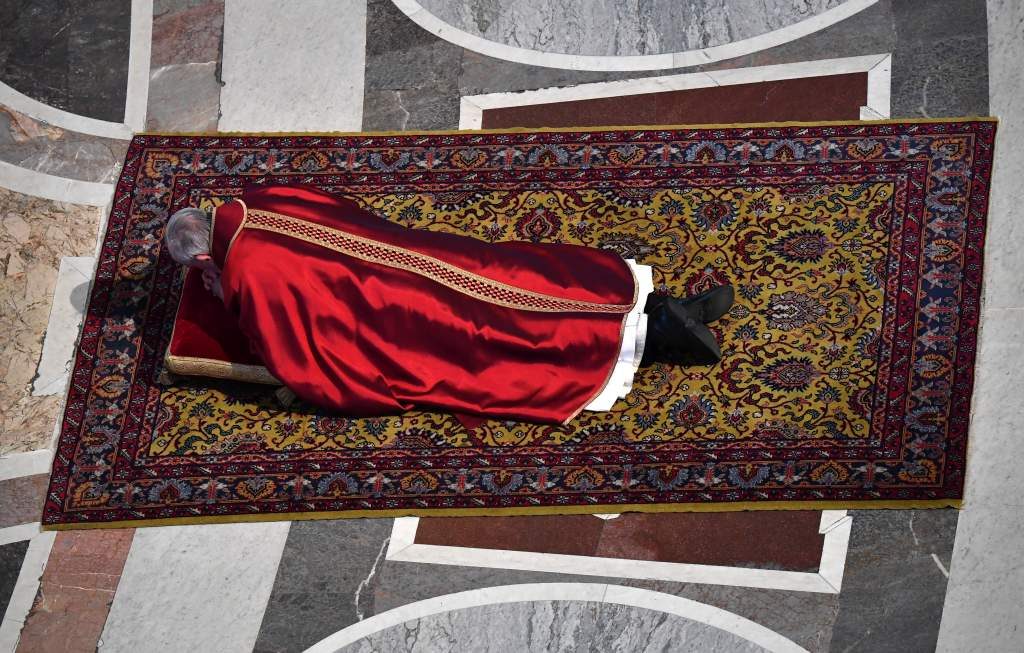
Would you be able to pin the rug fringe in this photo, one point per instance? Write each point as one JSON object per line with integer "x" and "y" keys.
{"x": 522, "y": 512}
{"x": 522, "y": 130}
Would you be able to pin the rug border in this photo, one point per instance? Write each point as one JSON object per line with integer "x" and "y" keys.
{"x": 599, "y": 128}
{"x": 863, "y": 504}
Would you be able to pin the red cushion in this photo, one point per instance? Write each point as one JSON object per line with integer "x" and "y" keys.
{"x": 206, "y": 340}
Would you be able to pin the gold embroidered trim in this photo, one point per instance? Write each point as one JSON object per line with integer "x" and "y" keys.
{"x": 238, "y": 230}
{"x": 446, "y": 274}
{"x": 218, "y": 369}
{"x": 618, "y": 348}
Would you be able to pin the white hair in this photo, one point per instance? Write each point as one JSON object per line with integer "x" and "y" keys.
{"x": 188, "y": 235}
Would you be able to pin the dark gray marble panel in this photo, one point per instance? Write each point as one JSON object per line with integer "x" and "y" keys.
{"x": 72, "y": 55}
{"x": 894, "y": 589}
{"x": 325, "y": 581}
{"x": 11, "y": 557}
{"x": 939, "y": 47}
{"x": 411, "y": 75}
{"x": 940, "y": 65}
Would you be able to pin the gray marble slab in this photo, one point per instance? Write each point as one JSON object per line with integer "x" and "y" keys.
{"x": 1004, "y": 278}
{"x": 562, "y": 626}
{"x": 38, "y": 146}
{"x": 184, "y": 97}
{"x": 325, "y": 581}
{"x": 185, "y": 66}
{"x": 194, "y": 588}
{"x": 940, "y": 64}
{"x": 986, "y": 590}
{"x": 894, "y": 587}
{"x": 71, "y": 55}
{"x": 622, "y": 27}
{"x": 292, "y": 66}
{"x": 11, "y": 557}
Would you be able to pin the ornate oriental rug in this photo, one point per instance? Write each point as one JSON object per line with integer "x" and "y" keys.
{"x": 856, "y": 251}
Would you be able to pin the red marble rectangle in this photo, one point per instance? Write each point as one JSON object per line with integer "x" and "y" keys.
{"x": 833, "y": 97}
{"x": 75, "y": 592}
{"x": 786, "y": 540}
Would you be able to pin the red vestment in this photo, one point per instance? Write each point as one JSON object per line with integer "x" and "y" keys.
{"x": 368, "y": 317}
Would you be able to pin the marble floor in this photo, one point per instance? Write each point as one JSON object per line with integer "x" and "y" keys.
{"x": 77, "y": 79}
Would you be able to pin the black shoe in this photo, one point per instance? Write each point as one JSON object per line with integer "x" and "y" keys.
{"x": 675, "y": 337}
{"x": 706, "y": 307}
{"x": 710, "y": 304}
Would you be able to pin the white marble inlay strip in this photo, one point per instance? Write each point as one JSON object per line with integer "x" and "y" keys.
{"x": 61, "y": 189}
{"x": 196, "y": 588}
{"x": 590, "y": 592}
{"x": 19, "y": 533}
{"x": 25, "y": 589}
{"x": 293, "y": 66}
{"x": 835, "y": 525}
{"x": 877, "y": 66}
{"x": 69, "y": 300}
{"x": 35, "y": 109}
{"x": 137, "y": 93}
{"x": 428, "y": 21}
{"x": 30, "y": 463}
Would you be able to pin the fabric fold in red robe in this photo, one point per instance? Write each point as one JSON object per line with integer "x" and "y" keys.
{"x": 365, "y": 316}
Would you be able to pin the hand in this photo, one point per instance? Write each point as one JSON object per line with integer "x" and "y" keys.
{"x": 211, "y": 281}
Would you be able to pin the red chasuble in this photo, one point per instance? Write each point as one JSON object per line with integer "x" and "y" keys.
{"x": 362, "y": 315}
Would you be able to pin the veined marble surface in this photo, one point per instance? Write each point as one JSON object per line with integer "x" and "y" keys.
{"x": 34, "y": 235}
{"x": 986, "y": 581}
{"x": 293, "y": 66}
{"x": 184, "y": 82}
{"x": 36, "y": 145}
{"x": 622, "y": 27}
{"x": 194, "y": 588}
{"x": 543, "y": 626}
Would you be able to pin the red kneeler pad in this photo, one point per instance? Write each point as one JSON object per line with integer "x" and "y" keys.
{"x": 206, "y": 340}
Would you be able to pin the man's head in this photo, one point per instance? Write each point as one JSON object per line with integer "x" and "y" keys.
{"x": 188, "y": 238}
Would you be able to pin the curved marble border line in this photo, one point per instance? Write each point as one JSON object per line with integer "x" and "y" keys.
{"x": 36, "y": 110}
{"x": 51, "y": 187}
{"x": 136, "y": 93}
{"x": 428, "y": 21}
{"x": 599, "y": 592}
